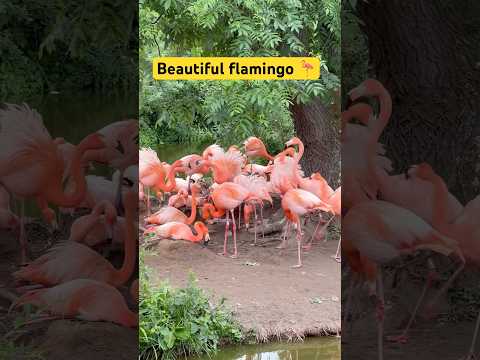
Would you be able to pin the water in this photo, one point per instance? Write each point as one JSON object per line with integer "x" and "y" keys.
{"x": 172, "y": 152}
{"x": 311, "y": 349}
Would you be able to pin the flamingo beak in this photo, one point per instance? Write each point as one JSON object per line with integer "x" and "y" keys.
{"x": 206, "y": 240}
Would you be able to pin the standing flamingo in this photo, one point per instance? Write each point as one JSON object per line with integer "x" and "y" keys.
{"x": 296, "y": 203}
{"x": 71, "y": 260}
{"x": 381, "y": 232}
{"x": 32, "y": 167}
{"x": 226, "y": 197}
{"x": 84, "y": 299}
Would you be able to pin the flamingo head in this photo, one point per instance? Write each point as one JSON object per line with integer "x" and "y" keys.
{"x": 202, "y": 228}
{"x": 422, "y": 171}
{"x": 92, "y": 141}
{"x": 369, "y": 87}
{"x": 254, "y": 147}
{"x": 293, "y": 141}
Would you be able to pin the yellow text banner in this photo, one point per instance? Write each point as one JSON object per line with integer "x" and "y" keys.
{"x": 236, "y": 68}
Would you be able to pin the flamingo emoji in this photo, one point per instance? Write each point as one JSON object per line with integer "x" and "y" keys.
{"x": 71, "y": 260}
{"x": 180, "y": 231}
{"x": 84, "y": 299}
{"x": 307, "y": 66}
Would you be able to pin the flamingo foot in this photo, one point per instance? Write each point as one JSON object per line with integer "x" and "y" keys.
{"x": 399, "y": 339}
{"x": 234, "y": 256}
{"x": 337, "y": 258}
{"x": 297, "y": 266}
{"x": 470, "y": 356}
{"x": 222, "y": 254}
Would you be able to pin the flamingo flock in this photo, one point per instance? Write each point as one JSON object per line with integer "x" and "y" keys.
{"x": 237, "y": 184}
{"x": 386, "y": 216}
{"x": 72, "y": 279}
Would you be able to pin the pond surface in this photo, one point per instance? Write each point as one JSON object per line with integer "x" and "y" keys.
{"x": 310, "y": 349}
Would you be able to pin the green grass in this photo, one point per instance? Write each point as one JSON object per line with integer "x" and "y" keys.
{"x": 178, "y": 322}
{"x": 8, "y": 350}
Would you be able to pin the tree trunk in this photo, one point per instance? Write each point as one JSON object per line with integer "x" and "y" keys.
{"x": 419, "y": 51}
{"x": 317, "y": 128}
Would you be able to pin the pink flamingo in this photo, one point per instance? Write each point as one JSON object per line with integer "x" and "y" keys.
{"x": 382, "y": 231}
{"x": 84, "y": 299}
{"x": 32, "y": 167}
{"x": 95, "y": 228}
{"x": 225, "y": 165}
{"x": 254, "y": 148}
{"x": 226, "y": 197}
{"x": 296, "y": 203}
{"x": 71, "y": 260}
{"x": 169, "y": 213}
{"x": 180, "y": 231}
{"x": 120, "y": 152}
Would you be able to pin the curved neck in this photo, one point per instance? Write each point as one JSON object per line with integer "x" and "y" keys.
{"x": 130, "y": 254}
{"x": 170, "y": 184}
{"x": 439, "y": 219}
{"x": 58, "y": 196}
{"x": 200, "y": 233}
{"x": 193, "y": 214}
{"x": 84, "y": 228}
{"x": 266, "y": 155}
{"x": 210, "y": 210}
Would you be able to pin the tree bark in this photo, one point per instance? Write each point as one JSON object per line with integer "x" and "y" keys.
{"x": 421, "y": 53}
{"x": 316, "y": 126}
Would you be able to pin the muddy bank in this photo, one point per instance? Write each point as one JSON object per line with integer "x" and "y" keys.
{"x": 267, "y": 295}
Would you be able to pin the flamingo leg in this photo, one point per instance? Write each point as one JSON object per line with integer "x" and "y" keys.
{"x": 471, "y": 355}
{"x": 338, "y": 257}
{"x": 239, "y": 215}
{"x": 148, "y": 201}
{"x": 227, "y": 226}
{"x": 22, "y": 237}
{"x": 261, "y": 217}
{"x": 283, "y": 244}
{"x": 380, "y": 313}
{"x": 299, "y": 245}
{"x": 402, "y": 338}
{"x": 255, "y": 223}
{"x": 234, "y": 230}
{"x": 348, "y": 303}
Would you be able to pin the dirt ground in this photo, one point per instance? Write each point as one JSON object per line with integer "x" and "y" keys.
{"x": 57, "y": 339}
{"x": 266, "y": 294}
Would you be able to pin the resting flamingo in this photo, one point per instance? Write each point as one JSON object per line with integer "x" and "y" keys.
{"x": 84, "y": 299}
{"x": 169, "y": 213}
{"x": 180, "y": 231}
{"x": 71, "y": 260}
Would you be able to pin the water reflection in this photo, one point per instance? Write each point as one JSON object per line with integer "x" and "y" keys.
{"x": 313, "y": 349}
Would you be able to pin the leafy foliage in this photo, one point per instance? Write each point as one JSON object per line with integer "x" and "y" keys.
{"x": 8, "y": 350}
{"x": 225, "y": 111}
{"x": 59, "y": 44}
{"x": 181, "y": 321}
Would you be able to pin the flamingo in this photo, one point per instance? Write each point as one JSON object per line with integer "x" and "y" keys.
{"x": 296, "y": 203}
{"x": 382, "y": 231}
{"x": 96, "y": 227}
{"x": 32, "y": 167}
{"x": 84, "y": 299}
{"x": 359, "y": 177}
{"x": 225, "y": 165}
{"x": 8, "y": 220}
{"x": 169, "y": 213}
{"x": 254, "y": 147}
{"x": 120, "y": 152}
{"x": 256, "y": 185}
{"x": 226, "y": 197}
{"x": 71, "y": 260}
{"x": 180, "y": 231}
